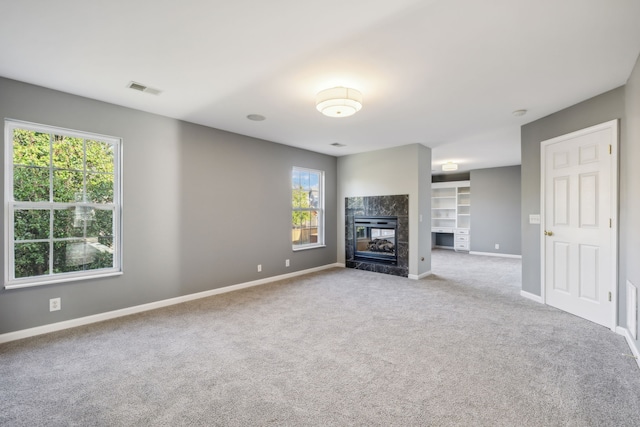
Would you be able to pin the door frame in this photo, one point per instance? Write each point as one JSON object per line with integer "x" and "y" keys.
{"x": 614, "y": 189}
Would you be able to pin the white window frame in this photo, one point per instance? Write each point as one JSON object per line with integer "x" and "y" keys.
{"x": 320, "y": 209}
{"x": 10, "y": 206}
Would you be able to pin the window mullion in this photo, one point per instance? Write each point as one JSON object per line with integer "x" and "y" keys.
{"x": 84, "y": 187}
{"x": 51, "y": 210}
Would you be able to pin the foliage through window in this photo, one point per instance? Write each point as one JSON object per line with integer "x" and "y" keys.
{"x": 62, "y": 192}
{"x": 307, "y": 217}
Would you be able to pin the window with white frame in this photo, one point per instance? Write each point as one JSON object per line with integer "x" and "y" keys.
{"x": 307, "y": 216}
{"x": 62, "y": 205}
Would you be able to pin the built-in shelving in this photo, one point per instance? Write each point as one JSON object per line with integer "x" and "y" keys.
{"x": 451, "y": 212}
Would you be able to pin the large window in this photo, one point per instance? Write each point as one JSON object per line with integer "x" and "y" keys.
{"x": 307, "y": 216}
{"x": 62, "y": 205}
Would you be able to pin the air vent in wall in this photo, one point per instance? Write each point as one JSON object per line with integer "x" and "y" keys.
{"x": 143, "y": 88}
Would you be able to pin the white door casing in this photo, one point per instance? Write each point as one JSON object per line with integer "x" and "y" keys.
{"x": 579, "y": 228}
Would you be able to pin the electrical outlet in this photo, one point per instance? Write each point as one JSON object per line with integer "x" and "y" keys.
{"x": 259, "y": 268}
{"x": 497, "y": 245}
{"x": 286, "y": 263}
{"x": 54, "y": 304}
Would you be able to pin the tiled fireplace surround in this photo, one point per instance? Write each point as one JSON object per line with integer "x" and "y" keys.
{"x": 379, "y": 206}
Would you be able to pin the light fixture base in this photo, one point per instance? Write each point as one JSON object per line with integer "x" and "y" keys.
{"x": 450, "y": 166}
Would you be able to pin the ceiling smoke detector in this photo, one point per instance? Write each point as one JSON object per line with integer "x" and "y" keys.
{"x": 142, "y": 88}
{"x": 337, "y": 144}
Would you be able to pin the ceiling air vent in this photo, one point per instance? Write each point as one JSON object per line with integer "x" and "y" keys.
{"x": 143, "y": 88}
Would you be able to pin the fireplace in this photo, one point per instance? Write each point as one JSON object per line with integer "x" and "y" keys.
{"x": 375, "y": 239}
{"x": 377, "y": 234}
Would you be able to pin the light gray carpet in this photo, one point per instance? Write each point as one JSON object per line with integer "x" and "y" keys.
{"x": 341, "y": 347}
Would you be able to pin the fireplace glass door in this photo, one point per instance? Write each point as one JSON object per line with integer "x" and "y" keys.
{"x": 376, "y": 239}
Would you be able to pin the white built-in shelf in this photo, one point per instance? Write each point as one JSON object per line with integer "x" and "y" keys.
{"x": 451, "y": 211}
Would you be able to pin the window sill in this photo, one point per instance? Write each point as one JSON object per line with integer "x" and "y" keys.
{"x": 30, "y": 284}
{"x": 304, "y": 248}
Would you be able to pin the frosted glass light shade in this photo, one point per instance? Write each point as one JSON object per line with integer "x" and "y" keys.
{"x": 449, "y": 166}
{"x": 339, "y": 102}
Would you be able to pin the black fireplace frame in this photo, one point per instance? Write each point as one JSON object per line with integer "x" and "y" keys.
{"x": 378, "y": 222}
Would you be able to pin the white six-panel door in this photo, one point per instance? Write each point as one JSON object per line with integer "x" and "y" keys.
{"x": 579, "y": 178}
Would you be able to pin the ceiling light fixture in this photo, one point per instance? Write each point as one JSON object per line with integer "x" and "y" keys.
{"x": 256, "y": 117}
{"x": 339, "y": 102}
{"x": 449, "y": 166}
{"x": 519, "y": 113}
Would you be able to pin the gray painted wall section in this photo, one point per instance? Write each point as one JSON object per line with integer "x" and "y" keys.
{"x": 630, "y": 192}
{"x": 495, "y": 210}
{"x": 602, "y": 108}
{"x": 202, "y": 207}
{"x": 407, "y": 170}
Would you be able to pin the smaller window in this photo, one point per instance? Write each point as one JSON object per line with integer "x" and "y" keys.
{"x": 307, "y": 202}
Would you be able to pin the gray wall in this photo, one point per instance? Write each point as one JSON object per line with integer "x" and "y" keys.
{"x": 495, "y": 210}
{"x": 630, "y": 192}
{"x": 407, "y": 171}
{"x": 607, "y": 106}
{"x": 202, "y": 207}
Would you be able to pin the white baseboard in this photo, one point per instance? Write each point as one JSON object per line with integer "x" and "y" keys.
{"x": 72, "y": 323}
{"x": 495, "y": 254}
{"x": 532, "y": 297}
{"x": 632, "y": 346}
{"x": 419, "y": 276}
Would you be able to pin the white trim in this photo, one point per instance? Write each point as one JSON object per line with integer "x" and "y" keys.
{"x": 65, "y": 279}
{"x": 532, "y": 297}
{"x": 321, "y": 208}
{"x": 10, "y": 206}
{"x": 634, "y": 350}
{"x": 495, "y": 254}
{"x": 306, "y": 248}
{"x": 632, "y": 310}
{"x": 614, "y": 211}
{"x": 419, "y": 276}
{"x": 72, "y": 323}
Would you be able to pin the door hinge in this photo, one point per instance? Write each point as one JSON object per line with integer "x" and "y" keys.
{"x": 610, "y": 223}
{"x": 610, "y": 148}
{"x": 609, "y": 296}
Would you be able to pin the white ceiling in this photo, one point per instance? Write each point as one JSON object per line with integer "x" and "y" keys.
{"x": 443, "y": 73}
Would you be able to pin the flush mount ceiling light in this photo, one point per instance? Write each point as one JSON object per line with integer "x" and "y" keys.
{"x": 519, "y": 113}
{"x": 339, "y": 102}
{"x": 449, "y": 166}
{"x": 256, "y": 117}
